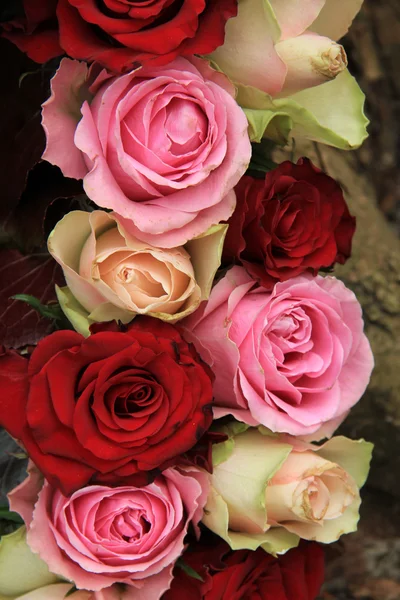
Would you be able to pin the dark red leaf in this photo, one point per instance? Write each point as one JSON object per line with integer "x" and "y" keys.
{"x": 36, "y": 275}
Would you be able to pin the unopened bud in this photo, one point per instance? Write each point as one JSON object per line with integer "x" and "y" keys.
{"x": 311, "y": 59}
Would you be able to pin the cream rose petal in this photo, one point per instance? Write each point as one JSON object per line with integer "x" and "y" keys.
{"x": 57, "y": 591}
{"x": 68, "y": 253}
{"x": 205, "y": 252}
{"x": 248, "y": 54}
{"x": 331, "y": 530}
{"x": 21, "y": 570}
{"x": 354, "y": 456}
{"x": 336, "y": 17}
{"x": 295, "y": 17}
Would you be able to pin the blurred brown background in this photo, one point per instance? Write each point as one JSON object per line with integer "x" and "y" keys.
{"x": 366, "y": 565}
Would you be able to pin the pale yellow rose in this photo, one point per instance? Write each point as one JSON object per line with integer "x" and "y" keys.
{"x": 270, "y": 490}
{"x": 112, "y": 275}
{"x": 20, "y": 569}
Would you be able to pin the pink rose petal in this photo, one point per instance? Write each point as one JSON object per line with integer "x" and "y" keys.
{"x": 294, "y": 359}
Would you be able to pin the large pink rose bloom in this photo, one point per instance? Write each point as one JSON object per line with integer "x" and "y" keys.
{"x": 102, "y": 536}
{"x": 294, "y": 359}
{"x": 161, "y": 146}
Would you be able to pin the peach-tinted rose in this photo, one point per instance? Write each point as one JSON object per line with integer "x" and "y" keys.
{"x": 161, "y": 146}
{"x": 113, "y": 275}
{"x": 270, "y": 490}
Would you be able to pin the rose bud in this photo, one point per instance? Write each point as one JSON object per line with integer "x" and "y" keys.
{"x": 269, "y": 45}
{"x": 310, "y": 59}
{"x": 270, "y": 490}
{"x": 112, "y": 275}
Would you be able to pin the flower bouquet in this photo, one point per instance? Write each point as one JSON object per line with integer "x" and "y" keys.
{"x": 182, "y": 354}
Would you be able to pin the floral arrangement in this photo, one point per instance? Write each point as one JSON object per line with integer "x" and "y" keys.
{"x": 178, "y": 388}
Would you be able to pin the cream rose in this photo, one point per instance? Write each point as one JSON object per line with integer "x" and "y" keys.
{"x": 112, "y": 275}
{"x": 270, "y": 490}
{"x": 21, "y": 570}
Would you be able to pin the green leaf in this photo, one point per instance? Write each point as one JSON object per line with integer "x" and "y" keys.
{"x": 9, "y": 515}
{"x": 49, "y": 311}
{"x": 188, "y": 570}
{"x": 331, "y": 113}
{"x": 261, "y": 157}
{"x": 71, "y": 591}
{"x": 19, "y": 455}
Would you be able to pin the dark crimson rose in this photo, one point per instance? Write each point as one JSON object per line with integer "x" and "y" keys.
{"x": 249, "y": 575}
{"x": 121, "y": 33}
{"x": 294, "y": 220}
{"x": 113, "y": 408}
{"x": 37, "y": 32}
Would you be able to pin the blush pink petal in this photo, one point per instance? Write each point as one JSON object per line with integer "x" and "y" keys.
{"x": 195, "y": 223}
{"x": 61, "y": 114}
{"x": 295, "y": 17}
{"x": 152, "y": 588}
{"x": 353, "y": 381}
{"x": 23, "y": 497}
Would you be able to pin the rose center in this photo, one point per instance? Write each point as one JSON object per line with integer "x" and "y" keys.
{"x": 316, "y": 499}
{"x": 133, "y": 399}
{"x": 285, "y": 326}
{"x": 185, "y": 126}
{"x": 130, "y": 525}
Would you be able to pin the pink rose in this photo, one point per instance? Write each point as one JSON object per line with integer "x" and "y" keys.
{"x": 293, "y": 359}
{"x": 161, "y": 146}
{"x": 101, "y": 536}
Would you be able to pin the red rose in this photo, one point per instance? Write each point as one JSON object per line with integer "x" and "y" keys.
{"x": 246, "y": 574}
{"x": 294, "y": 220}
{"x": 111, "y": 408}
{"x": 36, "y": 33}
{"x": 120, "y": 33}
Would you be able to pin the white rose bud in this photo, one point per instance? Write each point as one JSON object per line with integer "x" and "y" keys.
{"x": 311, "y": 59}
